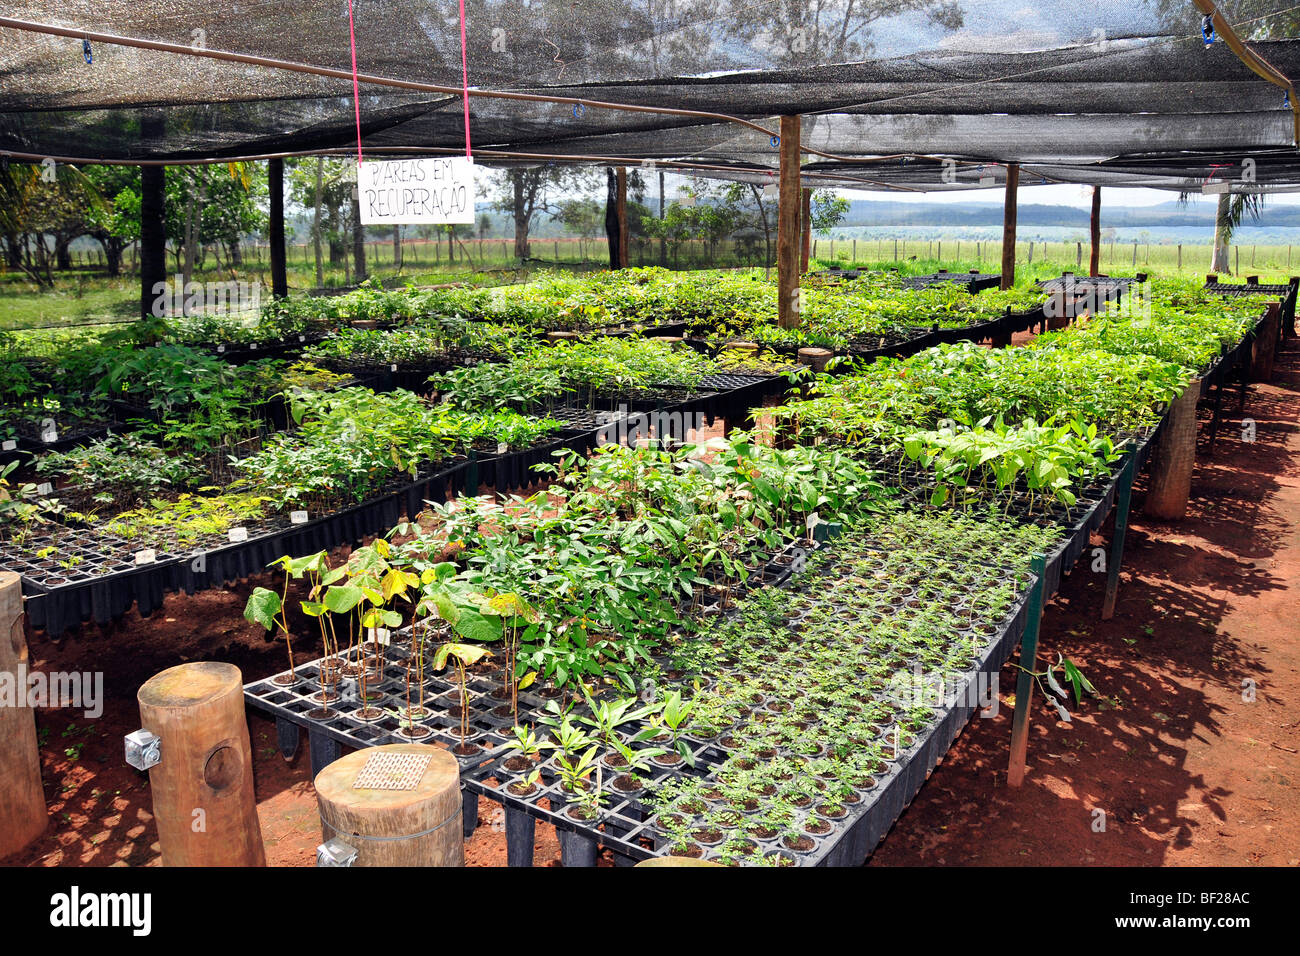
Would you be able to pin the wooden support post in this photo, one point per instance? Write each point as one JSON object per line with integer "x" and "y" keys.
{"x": 22, "y": 799}
{"x": 203, "y": 786}
{"x": 420, "y": 827}
{"x": 805, "y": 217}
{"x": 787, "y": 227}
{"x": 1264, "y": 347}
{"x": 621, "y": 208}
{"x": 1123, "y": 500}
{"x": 279, "y": 265}
{"x": 1025, "y": 682}
{"x": 1174, "y": 459}
{"x": 153, "y": 236}
{"x": 1094, "y": 233}
{"x": 1009, "y": 227}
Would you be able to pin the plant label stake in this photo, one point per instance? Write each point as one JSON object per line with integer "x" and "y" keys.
{"x": 9, "y": 445}
{"x": 238, "y": 534}
{"x": 297, "y": 517}
{"x": 147, "y": 556}
{"x": 44, "y": 488}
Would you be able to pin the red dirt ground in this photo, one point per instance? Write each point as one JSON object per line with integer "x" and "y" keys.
{"x": 1184, "y": 769}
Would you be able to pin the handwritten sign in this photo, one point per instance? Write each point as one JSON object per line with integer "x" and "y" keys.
{"x": 424, "y": 191}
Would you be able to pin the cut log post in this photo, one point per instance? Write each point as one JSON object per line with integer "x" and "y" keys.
{"x": 1264, "y": 348}
{"x": 420, "y": 827}
{"x": 22, "y": 799}
{"x": 815, "y": 357}
{"x": 1174, "y": 459}
{"x": 203, "y": 784}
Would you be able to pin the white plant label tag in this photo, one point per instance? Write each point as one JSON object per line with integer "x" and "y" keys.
{"x": 238, "y": 534}
{"x": 147, "y": 556}
{"x": 502, "y": 448}
{"x": 220, "y": 349}
{"x": 252, "y": 346}
{"x": 44, "y": 488}
{"x": 394, "y": 366}
{"x": 382, "y": 635}
{"x": 9, "y": 445}
{"x": 302, "y": 338}
{"x": 297, "y": 517}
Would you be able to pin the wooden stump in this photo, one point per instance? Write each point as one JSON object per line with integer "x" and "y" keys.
{"x": 815, "y": 357}
{"x": 1174, "y": 458}
{"x": 203, "y": 786}
{"x": 744, "y": 348}
{"x": 22, "y": 799}
{"x": 420, "y": 827}
{"x": 1264, "y": 348}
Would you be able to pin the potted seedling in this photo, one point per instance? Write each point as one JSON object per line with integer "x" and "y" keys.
{"x": 267, "y": 608}
{"x": 465, "y": 655}
{"x": 527, "y": 748}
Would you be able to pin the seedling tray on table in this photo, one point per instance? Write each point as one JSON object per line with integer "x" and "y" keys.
{"x": 631, "y": 825}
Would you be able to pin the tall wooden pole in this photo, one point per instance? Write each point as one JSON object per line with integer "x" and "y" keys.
{"x": 279, "y": 271}
{"x": 22, "y": 798}
{"x": 153, "y": 236}
{"x": 1009, "y": 227}
{"x": 807, "y": 229}
{"x": 621, "y": 186}
{"x": 1094, "y": 226}
{"x": 787, "y": 226}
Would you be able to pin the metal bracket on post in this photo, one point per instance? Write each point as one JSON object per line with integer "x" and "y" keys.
{"x": 1025, "y": 682}
{"x": 143, "y": 749}
{"x": 336, "y": 852}
{"x": 1122, "y": 502}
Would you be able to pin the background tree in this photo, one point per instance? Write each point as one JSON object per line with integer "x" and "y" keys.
{"x": 115, "y": 223}
{"x": 525, "y": 192}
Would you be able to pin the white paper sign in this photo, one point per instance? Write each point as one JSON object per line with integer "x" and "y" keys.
{"x": 238, "y": 534}
{"x": 427, "y": 190}
{"x": 45, "y": 488}
{"x": 9, "y": 445}
{"x": 147, "y": 556}
{"x": 297, "y": 517}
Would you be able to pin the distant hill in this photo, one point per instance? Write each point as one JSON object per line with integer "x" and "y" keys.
{"x": 870, "y": 212}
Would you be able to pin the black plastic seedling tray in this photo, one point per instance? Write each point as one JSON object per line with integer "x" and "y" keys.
{"x": 628, "y": 825}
